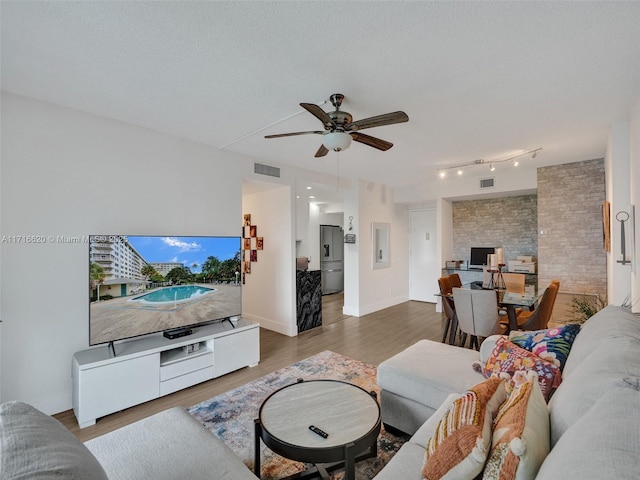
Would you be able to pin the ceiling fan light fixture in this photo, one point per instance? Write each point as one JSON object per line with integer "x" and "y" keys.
{"x": 336, "y": 141}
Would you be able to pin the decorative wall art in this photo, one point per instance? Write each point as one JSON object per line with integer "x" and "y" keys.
{"x": 251, "y": 243}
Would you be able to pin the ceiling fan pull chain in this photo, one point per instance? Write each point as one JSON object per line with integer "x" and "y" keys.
{"x": 338, "y": 171}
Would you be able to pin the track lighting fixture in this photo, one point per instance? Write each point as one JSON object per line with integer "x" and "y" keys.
{"x": 492, "y": 164}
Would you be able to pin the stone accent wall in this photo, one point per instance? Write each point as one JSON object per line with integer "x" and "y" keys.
{"x": 507, "y": 222}
{"x": 571, "y": 248}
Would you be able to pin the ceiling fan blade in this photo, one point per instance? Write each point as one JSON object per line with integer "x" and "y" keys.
{"x": 293, "y": 134}
{"x": 371, "y": 141}
{"x": 322, "y": 151}
{"x": 319, "y": 113}
{"x": 378, "y": 121}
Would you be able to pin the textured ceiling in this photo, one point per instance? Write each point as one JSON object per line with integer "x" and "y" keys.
{"x": 477, "y": 79}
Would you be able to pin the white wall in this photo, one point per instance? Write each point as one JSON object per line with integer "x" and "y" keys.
{"x": 60, "y": 170}
{"x": 444, "y": 210}
{"x": 634, "y": 177}
{"x": 268, "y": 295}
{"x": 378, "y": 289}
{"x": 618, "y": 194}
{"x": 351, "y": 264}
{"x": 508, "y": 179}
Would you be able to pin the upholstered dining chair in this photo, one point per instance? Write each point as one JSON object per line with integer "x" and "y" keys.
{"x": 477, "y": 312}
{"x": 448, "y": 306}
{"x": 539, "y": 318}
{"x": 454, "y": 278}
{"x": 514, "y": 282}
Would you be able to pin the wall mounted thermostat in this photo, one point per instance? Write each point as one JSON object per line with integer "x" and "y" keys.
{"x": 350, "y": 238}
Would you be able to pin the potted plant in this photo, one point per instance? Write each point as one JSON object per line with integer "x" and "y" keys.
{"x": 585, "y": 306}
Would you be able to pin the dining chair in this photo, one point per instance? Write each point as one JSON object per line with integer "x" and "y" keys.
{"x": 539, "y": 318}
{"x": 477, "y": 312}
{"x": 454, "y": 278}
{"x": 514, "y": 282}
{"x": 448, "y": 306}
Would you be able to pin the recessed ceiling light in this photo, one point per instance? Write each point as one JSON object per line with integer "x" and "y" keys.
{"x": 312, "y": 196}
{"x": 308, "y": 188}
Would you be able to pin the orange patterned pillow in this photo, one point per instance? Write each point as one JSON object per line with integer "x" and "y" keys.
{"x": 460, "y": 444}
{"x": 521, "y": 438}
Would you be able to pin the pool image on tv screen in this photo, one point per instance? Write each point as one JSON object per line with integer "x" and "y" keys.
{"x": 147, "y": 284}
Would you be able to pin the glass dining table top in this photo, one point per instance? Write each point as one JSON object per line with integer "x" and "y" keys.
{"x": 526, "y": 298}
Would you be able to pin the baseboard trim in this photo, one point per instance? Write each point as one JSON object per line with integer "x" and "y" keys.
{"x": 273, "y": 326}
{"x": 374, "y": 307}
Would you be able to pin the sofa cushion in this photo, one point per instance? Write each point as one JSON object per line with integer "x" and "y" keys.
{"x": 604, "y": 328}
{"x": 552, "y": 344}
{"x": 461, "y": 441}
{"x": 510, "y": 359}
{"x": 167, "y": 446}
{"x": 612, "y": 362}
{"x": 34, "y": 445}
{"x": 604, "y": 442}
{"x": 405, "y": 464}
{"x": 426, "y": 430}
{"x": 520, "y": 440}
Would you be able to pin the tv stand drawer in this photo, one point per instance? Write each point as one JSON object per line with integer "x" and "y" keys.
{"x": 187, "y": 380}
{"x": 182, "y": 363}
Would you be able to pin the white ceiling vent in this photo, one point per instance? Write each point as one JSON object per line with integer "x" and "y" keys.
{"x": 488, "y": 182}
{"x": 266, "y": 170}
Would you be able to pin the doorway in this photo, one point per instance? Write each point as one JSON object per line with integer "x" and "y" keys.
{"x": 332, "y": 259}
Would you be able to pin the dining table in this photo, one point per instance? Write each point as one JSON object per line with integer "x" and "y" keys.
{"x": 508, "y": 300}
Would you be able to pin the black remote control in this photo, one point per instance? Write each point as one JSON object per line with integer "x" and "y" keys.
{"x": 322, "y": 433}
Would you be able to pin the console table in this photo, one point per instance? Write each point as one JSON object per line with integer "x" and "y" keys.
{"x": 153, "y": 366}
{"x": 470, "y": 275}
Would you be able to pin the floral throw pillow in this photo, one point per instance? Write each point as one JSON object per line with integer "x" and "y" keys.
{"x": 552, "y": 344}
{"x": 508, "y": 358}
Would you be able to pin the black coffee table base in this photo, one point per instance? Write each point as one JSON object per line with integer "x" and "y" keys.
{"x": 320, "y": 470}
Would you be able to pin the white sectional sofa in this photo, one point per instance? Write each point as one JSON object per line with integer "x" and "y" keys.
{"x": 594, "y": 415}
{"x": 167, "y": 446}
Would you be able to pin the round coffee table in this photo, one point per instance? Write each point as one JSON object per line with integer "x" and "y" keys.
{"x": 348, "y": 414}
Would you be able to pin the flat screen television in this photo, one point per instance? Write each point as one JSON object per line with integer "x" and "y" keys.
{"x": 479, "y": 256}
{"x": 147, "y": 284}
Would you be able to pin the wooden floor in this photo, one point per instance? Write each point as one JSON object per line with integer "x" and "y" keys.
{"x": 371, "y": 338}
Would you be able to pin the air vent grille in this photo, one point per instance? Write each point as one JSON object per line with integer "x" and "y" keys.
{"x": 266, "y": 170}
{"x": 487, "y": 182}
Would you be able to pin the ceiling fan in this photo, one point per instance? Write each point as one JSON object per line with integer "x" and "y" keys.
{"x": 339, "y": 129}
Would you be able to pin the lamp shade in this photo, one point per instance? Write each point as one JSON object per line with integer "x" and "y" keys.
{"x": 336, "y": 141}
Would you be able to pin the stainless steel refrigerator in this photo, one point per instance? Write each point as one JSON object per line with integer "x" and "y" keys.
{"x": 331, "y": 258}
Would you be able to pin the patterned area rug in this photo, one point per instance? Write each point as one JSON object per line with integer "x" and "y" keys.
{"x": 230, "y": 416}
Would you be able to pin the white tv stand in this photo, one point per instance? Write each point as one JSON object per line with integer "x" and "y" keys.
{"x": 153, "y": 366}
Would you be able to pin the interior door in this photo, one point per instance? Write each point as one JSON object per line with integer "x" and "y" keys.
{"x": 423, "y": 267}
